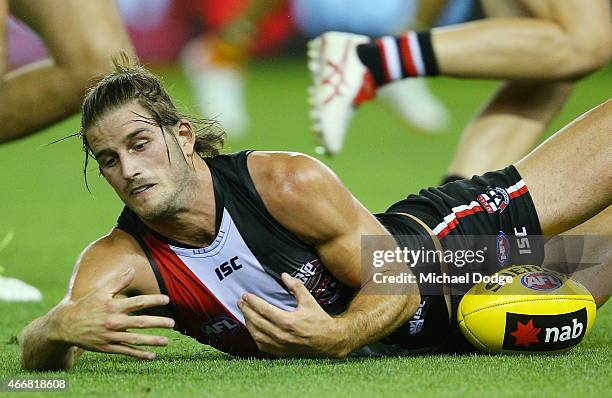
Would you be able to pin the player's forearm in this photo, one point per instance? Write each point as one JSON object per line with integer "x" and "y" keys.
{"x": 42, "y": 347}
{"x": 372, "y": 316}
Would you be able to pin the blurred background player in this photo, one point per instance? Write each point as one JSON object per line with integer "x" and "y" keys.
{"x": 80, "y": 37}
{"x": 538, "y": 46}
{"x": 410, "y": 99}
{"x": 215, "y": 62}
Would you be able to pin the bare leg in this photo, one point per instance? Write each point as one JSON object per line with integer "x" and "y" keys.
{"x": 569, "y": 176}
{"x": 585, "y": 253}
{"x": 508, "y": 127}
{"x": 81, "y": 36}
{"x": 563, "y": 39}
{"x": 3, "y": 46}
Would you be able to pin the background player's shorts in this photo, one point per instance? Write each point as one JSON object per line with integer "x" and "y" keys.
{"x": 493, "y": 213}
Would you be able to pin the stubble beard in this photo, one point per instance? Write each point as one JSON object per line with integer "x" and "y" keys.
{"x": 170, "y": 204}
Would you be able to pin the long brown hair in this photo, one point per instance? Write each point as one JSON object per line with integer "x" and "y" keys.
{"x": 129, "y": 82}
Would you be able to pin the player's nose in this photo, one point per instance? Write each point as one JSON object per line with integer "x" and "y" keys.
{"x": 129, "y": 168}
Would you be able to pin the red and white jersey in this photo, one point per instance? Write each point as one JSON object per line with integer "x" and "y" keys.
{"x": 250, "y": 252}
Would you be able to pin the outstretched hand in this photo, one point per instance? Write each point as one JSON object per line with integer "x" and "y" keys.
{"x": 308, "y": 331}
{"x": 100, "y": 321}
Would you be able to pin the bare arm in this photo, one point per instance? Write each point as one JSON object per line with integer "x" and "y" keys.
{"x": 94, "y": 313}
{"x": 314, "y": 204}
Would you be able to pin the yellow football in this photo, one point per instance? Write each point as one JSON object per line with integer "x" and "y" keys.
{"x": 539, "y": 311}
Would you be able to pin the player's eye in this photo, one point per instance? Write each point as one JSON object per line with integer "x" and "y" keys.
{"x": 140, "y": 146}
{"x": 109, "y": 162}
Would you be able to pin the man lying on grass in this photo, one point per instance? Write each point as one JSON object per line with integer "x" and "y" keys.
{"x": 258, "y": 253}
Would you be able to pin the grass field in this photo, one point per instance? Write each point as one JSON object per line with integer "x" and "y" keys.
{"x": 54, "y": 218}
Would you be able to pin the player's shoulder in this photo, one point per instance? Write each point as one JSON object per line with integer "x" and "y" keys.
{"x": 116, "y": 243}
{"x": 302, "y": 193}
{"x": 108, "y": 255}
{"x": 287, "y": 173}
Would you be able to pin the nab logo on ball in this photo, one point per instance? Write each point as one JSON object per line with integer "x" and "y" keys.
{"x": 220, "y": 325}
{"x": 541, "y": 281}
{"x": 544, "y": 332}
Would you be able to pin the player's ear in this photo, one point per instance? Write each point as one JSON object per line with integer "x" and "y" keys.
{"x": 186, "y": 136}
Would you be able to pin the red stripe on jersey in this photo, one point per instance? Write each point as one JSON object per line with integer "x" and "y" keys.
{"x": 451, "y": 225}
{"x": 464, "y": 213}
{"x": 383, "y": 56}
{"x": 198, "y": 312}
{"x": 409, "y": 67}
{"x": 519, "y": 192}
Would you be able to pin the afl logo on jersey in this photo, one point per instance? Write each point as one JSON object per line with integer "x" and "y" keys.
{"x": 502, "y": 246}
{"x": 220, "y": 325}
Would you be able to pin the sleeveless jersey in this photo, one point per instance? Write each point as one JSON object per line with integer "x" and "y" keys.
{"x": 249, "y": 253}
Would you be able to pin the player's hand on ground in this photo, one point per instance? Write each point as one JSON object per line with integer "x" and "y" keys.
{"x": 100, "y": 321}
{"x": 308, "y": 331}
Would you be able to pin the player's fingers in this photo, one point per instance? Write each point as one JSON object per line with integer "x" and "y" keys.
{"x": 297, "y": 288}
{"x": 256, "y": 322}
{"x": 137, "y": 303}
{"x": 264, "y": 340}
{"x": 128, "y": 351}
{"x": 136, "y": 339}
{"x": 264, "y": 309}
{"x": 123, "y": 322}
{"x": 120, "y": 281}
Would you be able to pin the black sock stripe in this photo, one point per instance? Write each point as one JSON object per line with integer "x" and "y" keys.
{"x": 370, "y": 55}
{"x": 429, "y": 57}
{"x": 405, "y": 73}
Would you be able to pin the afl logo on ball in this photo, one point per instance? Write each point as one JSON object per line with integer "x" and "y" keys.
{"x": 541, "y": 281}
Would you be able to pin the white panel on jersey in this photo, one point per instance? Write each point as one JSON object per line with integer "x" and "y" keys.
{"x": 229, "y": 269}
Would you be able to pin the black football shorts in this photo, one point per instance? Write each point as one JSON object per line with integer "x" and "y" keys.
{"x": 494, "y": 211}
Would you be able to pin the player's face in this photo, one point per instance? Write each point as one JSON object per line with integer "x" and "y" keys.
{"x": 133, "y": 157}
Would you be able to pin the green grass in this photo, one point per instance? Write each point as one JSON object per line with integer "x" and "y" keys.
{"x": 54, "y": 218}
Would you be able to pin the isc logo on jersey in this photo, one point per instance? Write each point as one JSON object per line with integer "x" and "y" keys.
{"x": 544, "y": 332}
{"x": 541, "y": 281}
{"x": 227, "y": 268}
{"x": 220, "y": 325}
